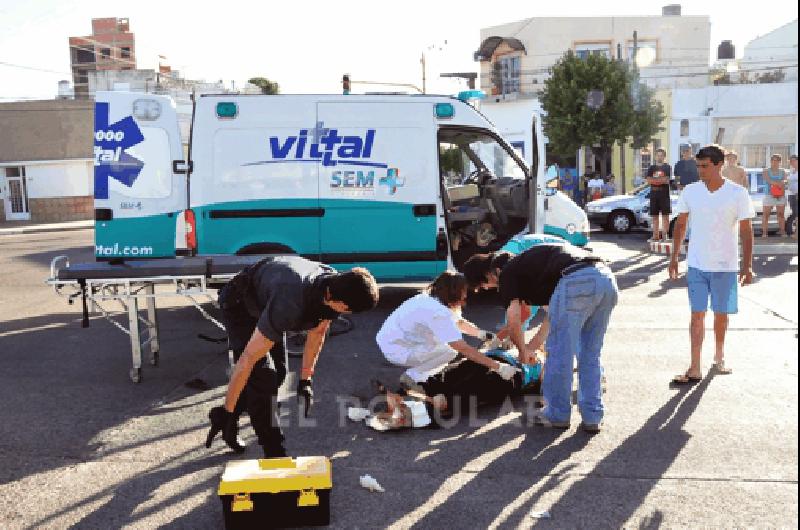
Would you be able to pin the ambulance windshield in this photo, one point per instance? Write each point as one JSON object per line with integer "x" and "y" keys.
{"x": 476, "y": 156}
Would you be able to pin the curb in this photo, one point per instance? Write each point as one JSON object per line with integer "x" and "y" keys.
{"x": 44, "y": 228}
{"x": 775, "y": 249}
{"x": 657, "y": 247}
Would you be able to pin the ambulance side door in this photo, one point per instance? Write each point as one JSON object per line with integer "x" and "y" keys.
{"x": 379, "y": 189}
{"x": 254, "y": 181}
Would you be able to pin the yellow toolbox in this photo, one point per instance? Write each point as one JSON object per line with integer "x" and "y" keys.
{"x": 276, "y": 492}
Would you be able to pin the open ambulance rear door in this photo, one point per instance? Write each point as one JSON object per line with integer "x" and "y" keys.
{"x": 140, "y": 189}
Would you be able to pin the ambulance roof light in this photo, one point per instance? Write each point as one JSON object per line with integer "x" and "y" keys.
{"x": 445, "y": 110}
{"x": 467, "y": 95}
{"x": 227, "y": 110}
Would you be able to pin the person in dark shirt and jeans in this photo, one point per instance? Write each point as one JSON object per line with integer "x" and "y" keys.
{"x": 659, "y": 176}
{"x": 685, "y": 169}
{"x": 578, "y": 292}
{"x": 259, "y": 305}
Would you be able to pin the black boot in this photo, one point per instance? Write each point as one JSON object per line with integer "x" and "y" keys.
{"x": 222, "y": 420}
{"x": 274, "y": 451}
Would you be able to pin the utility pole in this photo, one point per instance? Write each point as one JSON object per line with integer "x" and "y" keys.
{"x": 634, "y": 89}
{"x": 622, "y": 143}
{"x": 423, "y": 72}
{"x": 635, "y": 80}
{"x": 422, "y": 61}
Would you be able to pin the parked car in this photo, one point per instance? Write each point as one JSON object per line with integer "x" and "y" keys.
{"x": 621, "y": 213}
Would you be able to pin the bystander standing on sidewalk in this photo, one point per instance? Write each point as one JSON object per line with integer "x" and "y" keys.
{"x": 685, "y": 170}
{"x": 610, "y": 187}
{"x": 715, "y": 208}
{"x": 596, "y": 188}
{"x": 774, "y": 196}
{"x": 733, "y": 171}
{"x": 659, "y": 176}
{"x": 791, "y": 191}
{"x": 583, "y": 186}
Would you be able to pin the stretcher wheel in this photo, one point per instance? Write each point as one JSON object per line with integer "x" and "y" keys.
{"x": 154, "y": 358}
{"x": 136, "y": 375}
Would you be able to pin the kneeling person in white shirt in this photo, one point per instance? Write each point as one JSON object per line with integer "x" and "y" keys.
{"x": 425, "y": 335}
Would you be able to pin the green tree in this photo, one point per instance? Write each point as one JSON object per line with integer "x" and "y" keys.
{"x": 266, "y": 86}
{"x": 623, "y": 107}
{"x": 450, "y": 159}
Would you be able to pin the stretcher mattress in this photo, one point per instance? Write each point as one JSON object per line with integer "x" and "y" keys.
{"x": 208, "y": 266}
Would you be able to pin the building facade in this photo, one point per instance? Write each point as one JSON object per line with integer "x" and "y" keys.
{"x": 771, "y": 54}
{"x": 757, "y": 120}
{"x": 673, "y": 52}
{"x": 46, "y": 165}
{"x": 111, "y": 46}
{"x": 515, "y": 57}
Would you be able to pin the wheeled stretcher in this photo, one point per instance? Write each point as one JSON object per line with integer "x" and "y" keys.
{"x": 138, "y": 284}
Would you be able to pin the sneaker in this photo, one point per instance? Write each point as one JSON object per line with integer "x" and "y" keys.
{"x": 540, "y": 419}
{"x": 591, "y": 428}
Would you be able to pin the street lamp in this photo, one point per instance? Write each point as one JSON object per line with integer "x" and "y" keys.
{"x": 429, "y": 48}
{"x": 595, "y": 99}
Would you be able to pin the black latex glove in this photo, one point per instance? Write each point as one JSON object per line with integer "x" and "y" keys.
{"x": 305, "y": 391}
{"x": 222, "y": 420}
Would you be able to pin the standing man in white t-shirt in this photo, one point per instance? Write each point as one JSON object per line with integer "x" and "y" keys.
{"x": 717, "y": 209}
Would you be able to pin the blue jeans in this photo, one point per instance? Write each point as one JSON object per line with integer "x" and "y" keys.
{"x": 580, "y": 309}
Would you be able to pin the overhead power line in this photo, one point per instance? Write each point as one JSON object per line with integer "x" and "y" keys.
{"x": 34, "y": 68}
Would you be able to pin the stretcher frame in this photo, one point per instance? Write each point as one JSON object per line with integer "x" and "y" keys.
{"x": 133, "y": 293}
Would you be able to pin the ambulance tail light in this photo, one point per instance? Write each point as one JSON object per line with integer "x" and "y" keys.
{"x": 191, "y": 231}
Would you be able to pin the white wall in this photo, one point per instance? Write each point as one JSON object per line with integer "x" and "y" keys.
{"x": 60, "y": 179}
{"x": 766, "y": 99}
{"x": 778, "y": 48}
{"x": 750, "y": 114}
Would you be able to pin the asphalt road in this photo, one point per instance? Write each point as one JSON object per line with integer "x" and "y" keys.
{"x": 81, "y": 446}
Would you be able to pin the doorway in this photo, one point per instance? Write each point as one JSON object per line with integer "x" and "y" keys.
{"x": 16, "y": 196}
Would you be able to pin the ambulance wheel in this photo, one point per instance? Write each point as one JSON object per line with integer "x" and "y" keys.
{"x": 136, "y": 375}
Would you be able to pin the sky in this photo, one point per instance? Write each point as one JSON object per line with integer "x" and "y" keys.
{"x": 307, "y": 45}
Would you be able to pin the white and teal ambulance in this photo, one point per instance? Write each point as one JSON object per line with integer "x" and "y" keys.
{"x": 406, "y": 186}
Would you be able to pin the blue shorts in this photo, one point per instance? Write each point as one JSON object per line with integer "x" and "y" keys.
{"x": 722, "y": 287}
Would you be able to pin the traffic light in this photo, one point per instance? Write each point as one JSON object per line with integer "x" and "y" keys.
{"x": 346, "y": 84}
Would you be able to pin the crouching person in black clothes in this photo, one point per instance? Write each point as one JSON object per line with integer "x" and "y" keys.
{"x": 578, "y": 292}
{"x": 259, "y": 305}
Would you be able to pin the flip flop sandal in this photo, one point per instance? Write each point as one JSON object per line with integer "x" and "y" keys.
{"x": 721, "y": 369}
{"x": 685, "y": 379}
